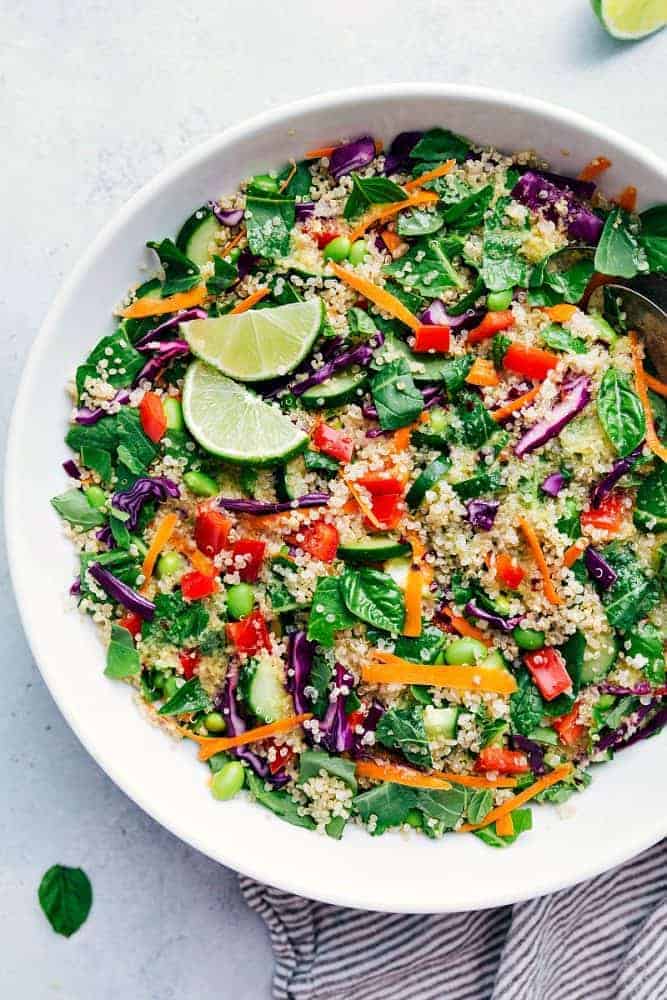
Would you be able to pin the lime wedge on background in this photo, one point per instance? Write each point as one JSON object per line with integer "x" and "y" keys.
{"x": 235, "y": 423}
{"x": 628, "y": 19}
{"x": 258, "y": 344}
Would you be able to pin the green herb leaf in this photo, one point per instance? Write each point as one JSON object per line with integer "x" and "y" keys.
{"x": 424, "y": 648}
{"x": 480, "y": 805}
{"x": 278, "y": 801}
{"x": 618, "y": 251}
{"x": 526, "y": 705}
{"x": 373, "y": 597}
{"x": 181, "y": 273}
{"x": 74, "y": 508}
{"x": 560, "y": 286}
{"x": 651, "y": 501}
{"x": 402, "y": 729}
{"x": 485, "y": 483}
{"x": 646, "y": 641}
{"x": 654, "y": 221}
{"x": 438, "y": 145}
{"x": 191, "y": 697}
{"x": 569, "y": 524}
{"x": 655, "y": 248}
{"x": 99, "y": 460}
{"x": 360, "y": 323}
{"x": 426, "y": 268}
{"x": 300, "y": 181}
{"x": 176, "y": 620}
{"x": 503, "y": 265}
{"x": 633, "y": 594}
{"x": 225, "y": 274}
{"x": 522, "y": 820}
{"x": 122, "y": 656}
{"x": 388, "y": 803}
{"x": 473, "y": 424}
{"x": 620, "y": 411}
{"x": 121, "y": 361}
{"x": 65, "y": 896}
{"x": 399, "y": 402}
{"x": 311, "y": 762}
{"x": 447, "y": 807}
{"x": 319, "y": 680}
{"x": 371, "y": 191}
{"x": 559, "y": 339}
{"x": 419, "y": 222}
{"x": 269, "y": 222}
{"x": 328, "y": 612}
{"x": 468, "y": 212}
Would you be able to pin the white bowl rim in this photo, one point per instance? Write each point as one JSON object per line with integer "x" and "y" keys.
{"x": 263, "y": 869}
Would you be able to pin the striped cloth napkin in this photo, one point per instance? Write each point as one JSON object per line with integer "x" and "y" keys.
{"x": 602, "y": 940}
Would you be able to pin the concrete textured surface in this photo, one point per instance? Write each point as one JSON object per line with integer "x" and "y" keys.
{"x": 95, "y": 98}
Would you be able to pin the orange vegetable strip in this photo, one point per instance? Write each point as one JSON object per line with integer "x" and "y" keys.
{"x": 398, "y": 774}
{"x": 594, "y": 168}
{"x": 503, "y": 412}
{"x": 430, "y": 175}
{"x": 536, "y": 549}
{"x": 561, "y": 313}
{"x": 482, "y": 373}
{"x": 378, "y": 296}
{"x": 199, "y": 561}
{"x": 652, "y": 439}
{"x": 364, "y": 507}
{"x": 413, "y": 602}
{"x": 391, "y": 240}
{"x": 317, "y": 154}
{"x": 155, "y": 307}
{"x": 655, "y": 384}
{"x": 289, "y": 177}
{"x": 464, "y": 677}
{"x": 574, "y": 551}
{"x": 383, "y": 212}
{"x": 505, "y": 825}
{"x": 518, "y": 800}
{"x": 164, "y": 532}
{"x": 210, "y": 745}
{"x": 379, "y": 146}
{"x": 463, "y": 627}
{"x": 234, "y": 242}
{"x": 401, "y": 439}
{"x": 627, "y": 199}
{"x": 251, "y": 301}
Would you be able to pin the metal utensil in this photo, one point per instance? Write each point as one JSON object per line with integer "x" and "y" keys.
{"x": 642, "y": 302}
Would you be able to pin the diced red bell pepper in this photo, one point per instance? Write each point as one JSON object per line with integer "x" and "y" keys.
{"x": 380, "y": 485}
{"x": 332, "y": 442}
{"x": 320, "y": 540}
{"x": 325, "y": 237}
{"x": 355, "y": 719}
{"x": 250, "y": 634}
{"x": 532, "y": 362}
{"x": 507, "y": 571}
{"x": 501, "y": 760}
{"x": 284, "y": 755}
{"x": 431, "y": 337}
{"x": 190, "y": 660}
{"x": 569, "y": 730}
{"x": 195, "y": 586}
{"x": 610, "y": 516}
{"x": 548, "y": 670}
{"x": 211, "y": 532}
{"x": 253, "y": 552}
{"x": 492, "y": 324}
{"x": 132, "y": 622}
{"x": 152, "y": 416}
{"x": 388, "y": 508}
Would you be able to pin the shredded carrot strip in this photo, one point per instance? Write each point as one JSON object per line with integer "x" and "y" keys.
{"x": 503, "y": 412}
{"x": 381, "y": 298}
{"x": 155, "y": 307}
{"x": 234, "y": 242}
{"x": 391, "y": 240}
{"x": 536, "y": 550}
{"x": 593, "y": 169}
{"x": 164, "y": 532}
{"x": 430, "y": 175}
{"x": 505, "y": 825}
{"x": 482, "y": 373}
{"x": 289, "y": 177}
{"x": 251, "y": 301}
{"x": 518, "y": 800}
{"x": 463, "y": 627}
{"x": 364, "y": 507}
{"x": 655, "y": 384}
{"x": 401, "y": 439}
{"x": 379, "y": 146}
{"x": 477, "y": 781}
{"x": 413, "y": 602}
{"x": 199, "y": 561}
{"x": 627, "y": 199}
{"x": 210, "y": 745}
{"x": 383, "y": 212}
{"x": 561, "y": 313}
{"x": 398, "y": 775}
{"x": 652, "y": 439}
{"x": 385, "y": 668}
{"x": 317, "y": 154}
{"x": 574, "y": 551}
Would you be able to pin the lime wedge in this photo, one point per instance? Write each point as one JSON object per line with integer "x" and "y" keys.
{"x": 231, "y": 421}
{"x": 258, "y": 344}
{"x": 628, "y": 19}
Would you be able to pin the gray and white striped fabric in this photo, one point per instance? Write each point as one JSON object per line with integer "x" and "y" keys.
{"x": 602, "y": 940}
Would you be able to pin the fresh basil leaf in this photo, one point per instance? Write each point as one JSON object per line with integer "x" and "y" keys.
{"x": 468, "y": 301}
{"x": 373, "y": 597}
{"x": 191, "y": 697}
{"x": 485, "y": 483}
{"x": 74, "y": 508}
{"x": 620, "y": 411}
{"x": 119, "y": 532}
{"x": 503, "y": 264}
{"x": 389, "y": 804}
{"x": 175, "y": 620}
{"x": 397, "y": 399}
{"x": 651, "y": 501}
{"x": 480, "y": 805}
{"x": 300, "y": 181}
{"x": 65, "y": 896}
{"x": 424, "y": 648}
{"x": 122, "y": 361}
{"x": 439, "y": 144}
{"x": 633, "y": 594}
{"x": 278, "y": 801}
{"x": 281, "y": 599}
{"x": 472, "y": 425}
{"x": 526, "y": 705}
{"x": 558, "y": 338}
{"x": 646, "y": 641}
{"x": 453, "y": 373}
{"x": 619, "y": 252}
{"x": 562, "y": 286}
{"x": 328, "y": 612}
{"x": 319, "y": 679}
{"x": 122, "y": 656}
{"x": 103, "y": 434}
{"x": 225, "y": 274}
{"x": 402, "y": 729}
{"x": 468, "y": 212}
{"x": 312, "y": 762}
{"x": 181, "y": 274}
{"x": 99, "y": 460}
{"x": 360, "y": 323}
{"x": 317, "y": 461}
{"x": 419, "y": 222}
{"x": 655, "y": 248}
{"x": 269, "y": 222}
{"x": 371, "y": 191}
{"x": 426, "y": 268}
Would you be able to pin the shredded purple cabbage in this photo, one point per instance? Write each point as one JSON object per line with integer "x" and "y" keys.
{"x": 336, "y": 733}
{"x": 599, "y": 569}
{"x": 105, "y": 535}
{"x": 574, "y": 402}
{"x": 246, "y": 263}
{"x": 259, "y": 507}
{"x": 167, "y": 352}
{"x": 352, "y": 156}
{"x": 398, "y": 155}
{"x": 227, "y": 704}
{"x": 121, "y": 592}
{"x": 360, "y": 355}
{"x": 582, "y": 189}
{"x": 473, "y": 610}
{"x": 184, "y": 316}
{"x": 640, "y": 690}
{"x": 300, "y": 652}
{"x": 87, "y": 417}
{"x": 482, "y": 513}
{"x": 553, "y": 484}
{"x": 226, "y": 216}
{"x": 71, "y": 468}
{"x": 436, "y": 315}
{"x": 142, "y": 490}
{"x": 304, "y": 210}
{"x": 539, "y": 193}
{"x": 630, "y": 731}
{"x": 75, "y": 588}
{"x": 532, "y": 750}
{"x": 617, "y": 471}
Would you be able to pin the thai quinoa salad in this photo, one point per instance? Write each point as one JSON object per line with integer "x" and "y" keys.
{"x": 368, "y": 504}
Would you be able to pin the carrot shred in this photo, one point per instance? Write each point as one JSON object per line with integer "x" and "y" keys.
{"x": 391, "y": 240}
{"x": 210, "y": 745}
{"x": 482, "y": 373}
{"x": 386, "y": 668}
{"x": 199, "y": 561}
{"x": 399, "y": 775}
{"x": 401, "y": 439}
{"x": 536, "y": 549}
{"x": 156, "y": 307}
{"x": 562, "y": 313}
{"x": 289, "y": 177}
{"x": 387, "y": 211}
{"x": 430, "y": 175}
{"x": 463, "y": 627}
{"x": 503, "y": 412}
{"x": 234, "y": 242}
{"x": 652, "y": 439}
{"x": 364, "y": 507}
{"x": 594, "y": 168}
{"x": 655, "y": 384}
{"x": 251, "y": 301}
{"x": 378, "y": 296}
{"x": 575, "y": 550}
{"x": 164, "y": 532}
{"x": 627, "y": 199}
{"x": 317, "y": 154}
{"x": 505, "y": 825}
{"x": 518, "y": 800}
{"x": 379, "y": 146}
{"x": 413, "y": 602}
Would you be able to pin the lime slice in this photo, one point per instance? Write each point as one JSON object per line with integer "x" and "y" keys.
{"x": 231, "y": 421}
{"x": 628, "y": 19}
{"x": 258, "y": 344}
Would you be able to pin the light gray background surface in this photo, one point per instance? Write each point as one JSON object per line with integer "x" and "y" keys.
{"x": 97, "y": 97}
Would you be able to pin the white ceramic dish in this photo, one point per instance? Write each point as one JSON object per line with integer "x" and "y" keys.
{"x": 619, "y": 815}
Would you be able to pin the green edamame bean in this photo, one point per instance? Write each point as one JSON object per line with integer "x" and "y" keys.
{"x": 528, "y": 638}
{"x": 495, "y": 301}
{"x": 95, "y": 496}
{"x": 214, "y": 722}
{"x": 494, "y": 659}
{"x": 169, "y": 564}
{"x": 170, "y": 688}
{"x": 200, "y": 484}
{"x": 228, "y": 781}
{"x": 264, "y": 184}
{"x": 358, "y": 252}
{"x": 468, "y": 651}
{"x": 337, "y": 249}
{"x": 240, "y": 600}
{"x": 173, "y": 413}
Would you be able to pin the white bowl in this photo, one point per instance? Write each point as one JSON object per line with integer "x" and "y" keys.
{"x": 618, "y": 816}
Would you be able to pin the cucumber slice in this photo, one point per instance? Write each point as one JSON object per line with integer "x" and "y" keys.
{"x": 597, "y": 665}
{"x": 398, "y": 570}
{"x": 290, "y": 479}
{"x": 440, "y": 723}
{"x": 495, "y": 660}
{"x": 346, "y": 387}
{"x": 264, "y": 691}
{"x": 426, "y": 480}
{"x": 196, "y": 234}
{"x": 375, "y": 548}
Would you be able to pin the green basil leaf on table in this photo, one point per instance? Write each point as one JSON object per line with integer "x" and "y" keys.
{"x": 66, "y": 896}
{"x": 373, "y": 597}
{"x": 620, "y": 411}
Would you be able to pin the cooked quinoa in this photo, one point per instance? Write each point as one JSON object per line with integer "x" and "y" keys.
{"x": 451, "y": 590}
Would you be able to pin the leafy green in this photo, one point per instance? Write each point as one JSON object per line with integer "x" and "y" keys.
{"x": 225, "y": 274}
{"x": 191, "y": 697}
{"x": 388, "y": 803}
{"x": 424, "y": 648}
{"x": 620, "y": 411}
{"x": 119, "y": 532}
{"x": 651, "y": 501}
{"x": 569, "y": 524}
{"x": 453, "y": 373}
{"x": 558, "y": 338}
{"x": 522, "y": 820}
{"x": 499, "y": 346}
{"x": 446, "y": 807}
{"x": 74, "y": 508}
{"x": 419, "y": 222}
{"x": 317, "y": 461}
{"x": 269, "y": 222}
{"x": 176, "y": 620}
{"x": 278, "y": 801}
{"x": 402, "y": 729}
{"x": 646, "y": 641}
{"x": 468, "y": 212}
{"x": 503, "y": 265}
{"x": 654, "y": 221}
{"x": 467, "y": 301}
{"x": 439, "y": 144}
{"x": 319, "y": 680}
{"x": 99, "y": 460}
{"x": 371, "y": 191}
{"x": 65, "y": 896}
{"x": 526, "y": 705}
{"x": 121, "y": 361}
{"x": 122, "y": 656}
{"x": 360, "y": 323}
{"x": 373, "y": 597}
{"x": 300, "y": 181}
{"x": 426, "y": 268}
{"x": 633, "y": 594}
{"x": 311, "y": 762}
{"x": 480, "y": 803}
{"x": 548, "y": 288}
{"x": 397, "y": 399}
{"x": 483, "y": 484}
{"x": 181, "y": 273}
{"x": 619, "y": 252}
{"x": 328, "y": 613}
{"x": 473, "y": 424}
{"x": 655, "y": 248}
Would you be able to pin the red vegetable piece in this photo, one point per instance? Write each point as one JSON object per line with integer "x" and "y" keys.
{"x": 532, "y": 362}
{"x": 320, "y": 540}
{"x": 132, "y": 622}
{"x": 492, "y": 323}
{"x": 190, "y": 660}
{"x": 195, "y": 586}
{"x": 569, "y": 730}
{"x": 501, "y": 760}
{"x": 152, "y": 417}
{"x": 431, "y": 337}
{"x": 211, "y": 532}
{"x": 253, "y": 552}
{"x": 332, "y": 442}
{"x": 610, "y": 516}
{"x": 250, "y": 634}
{"x": 548, "y": 670}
